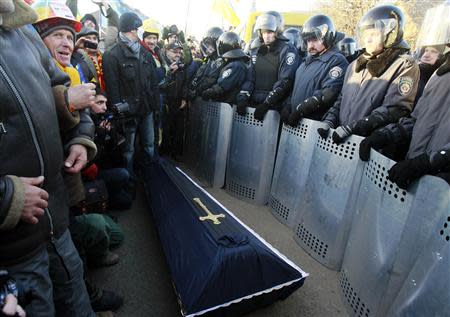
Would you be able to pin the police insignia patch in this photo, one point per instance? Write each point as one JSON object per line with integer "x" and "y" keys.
{"x": 290, "y": 58}
{"x": 405, "y": 85}
{"x": 226, "y": 73}
{"x": 336, "y": 72}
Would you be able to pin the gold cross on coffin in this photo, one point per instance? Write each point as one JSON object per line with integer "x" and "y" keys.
{"x": 210, "y": 215}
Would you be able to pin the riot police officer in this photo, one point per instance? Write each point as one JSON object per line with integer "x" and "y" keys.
{"x": 233, "y": 74}
{"x": 274, "y": 65}
{"x": 380, "y": 86}
{"x": 427, "y": 130}
{"x": 347, "y": 47}
{"x": 319, "y": 78}
{"x": 294, "y": 36}
{"x": 207, "y": 75}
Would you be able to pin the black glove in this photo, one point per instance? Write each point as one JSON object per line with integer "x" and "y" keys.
{"x": 274, "y": 96}
{"x": 260, "y": 111}
{"x": 323, "y": 132}
{"x": 341, "y": 133}
{"x": 366, "y": 125}
{"x": 405, "y": 172}
{"x": 295, "y": 118}
{"x": 241, "y": 107}
{"x": 285, "y": 112}
{"x": 376, "y": 141}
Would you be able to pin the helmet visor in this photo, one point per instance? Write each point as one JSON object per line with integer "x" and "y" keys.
{"x": 435, "y": 28}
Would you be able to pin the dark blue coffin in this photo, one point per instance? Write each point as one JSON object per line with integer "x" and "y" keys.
{"x": 222, "y": 269}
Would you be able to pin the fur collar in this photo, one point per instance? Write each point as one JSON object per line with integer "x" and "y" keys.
{"x": 445, "y": 68}
{"x": 379, "y": 64}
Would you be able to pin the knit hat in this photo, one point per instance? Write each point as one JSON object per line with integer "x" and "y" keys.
{"x": 90, "y": 17}
{"x": 48, "y": 26}
{"x": 87, "y": 31}
{"x": 129, "y": 21}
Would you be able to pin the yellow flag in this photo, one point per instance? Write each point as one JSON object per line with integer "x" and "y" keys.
{"x": 226, "y": 10}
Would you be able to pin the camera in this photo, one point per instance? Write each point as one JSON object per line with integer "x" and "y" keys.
{"x": 89, "y": 44}
{"x": 121, "y": 109}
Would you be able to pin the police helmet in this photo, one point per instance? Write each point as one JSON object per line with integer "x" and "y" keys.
{"x": 210, "y": 40}
{"x": 266, "y": 22}
{"x": 388, "y": 20}
{"x": 435, "y": 29}
{"x": 280, "y": 20}
{"x": 229, "y": 46}
{"x": 294, "y": 37}
{"x": 347, "y": 46}
{"x": 319, "y": 27}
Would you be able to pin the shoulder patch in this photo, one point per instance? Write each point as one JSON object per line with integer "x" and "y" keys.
{"x": 290, "y": 58}
{"x": 226, "y": 73}
{"x": 336, "y": 72}
{"x": 405, "y": 85}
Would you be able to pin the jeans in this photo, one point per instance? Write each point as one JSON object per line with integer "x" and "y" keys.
{"x": 34, "y": 280}
{"x": 145, "y": 127}
{"x": 66, "y": 272}
{"x": 117, "y": 182}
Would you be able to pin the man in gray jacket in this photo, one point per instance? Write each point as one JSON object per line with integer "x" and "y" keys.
{"x": 427, "y": 130}
{"x": 380, "y": 86}
{"x": 33, "y": 205}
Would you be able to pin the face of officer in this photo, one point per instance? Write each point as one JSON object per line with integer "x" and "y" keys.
{"x": 99, "y": 104}
{"x": 268, "y": 36}
{"x": 60, "y": 44}
{"x": 172, "y": 38}
{"x": 373, "y": 41}
{"x": 174, "y": 55}
{"x": 151, "y": 40}
{"x": 430, "y": 55}
{"x": 315, "y": 46}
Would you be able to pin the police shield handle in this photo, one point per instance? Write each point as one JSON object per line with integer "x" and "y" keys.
{"x": 210, "y": 215}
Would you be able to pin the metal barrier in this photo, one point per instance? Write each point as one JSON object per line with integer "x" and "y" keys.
{"x": 325, "y": 217}
{"x": 291, "y": 169}
{"x": 251, "y": 156}
{"x": 212, "y": 148}
{"x": 381, "y": 212}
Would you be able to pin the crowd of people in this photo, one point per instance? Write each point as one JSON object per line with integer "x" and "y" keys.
{"x": 81, "y": 114}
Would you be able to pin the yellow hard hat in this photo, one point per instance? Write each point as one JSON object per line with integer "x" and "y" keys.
{"x": 53, "y": 14}
{"x": 151, "y": 26}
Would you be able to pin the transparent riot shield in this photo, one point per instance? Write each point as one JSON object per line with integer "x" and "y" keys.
{"x": 213, "y": 144}
{"x": 294, "y": 155}
{"x": 251, "y": 156}
{"x": 325, "y": 216}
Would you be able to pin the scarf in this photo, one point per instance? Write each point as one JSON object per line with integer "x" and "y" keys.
{"x": 379, "y": 64}
{"x": 135, "y": 47}
{"x": 71, "y": 72}
{"x": 445, "y": 67}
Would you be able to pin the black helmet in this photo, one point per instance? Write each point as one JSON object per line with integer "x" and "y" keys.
{"x": 280, "y": 20}
{"x": 294, "y": 36}
{"x": 229, "y": 46}
{"x": 387, "y": 19}
{"x": 210, "y": 39}
{"x": 347, "y": 46}
{"x": 319, "y": 27}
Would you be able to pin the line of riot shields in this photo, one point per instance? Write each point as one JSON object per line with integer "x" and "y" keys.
{"x": 391, "y": 246}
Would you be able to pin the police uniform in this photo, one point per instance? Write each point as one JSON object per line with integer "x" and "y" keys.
{"x": 274, "y": 69}
{"x": 206, "y": 76}
{"x": 315, "y": 74}
{"x": 383, "y": 91}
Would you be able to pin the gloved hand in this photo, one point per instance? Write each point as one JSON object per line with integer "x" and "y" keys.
{"x": 366, "y": 125}
{"x": 208, "y": 94}
{"x": 260, "y": 111}
{"x": 341, "y": 133}
{"x": 405, "y": 172}
{"x": 241, "y": 107}
{"x": 376, "y": 141}
{"x": 323, "y": 132}
{"x": 284, "y": 115}
{"x": 295, "y": 118}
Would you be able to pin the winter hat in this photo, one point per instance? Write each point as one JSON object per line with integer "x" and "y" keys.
{"x": 48, "y": 26}
{"x": 129, "y": 21}
{"x": 90, "y": 17}
{"x": 87, "y": 31}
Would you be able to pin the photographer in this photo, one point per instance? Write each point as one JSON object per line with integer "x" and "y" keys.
{"x": 174, "y": 112}
{"x": 130, "y": 78}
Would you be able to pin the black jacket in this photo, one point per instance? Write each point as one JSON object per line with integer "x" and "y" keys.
{"x": 30, "y": 144}
{"x": 131, "y": 79}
